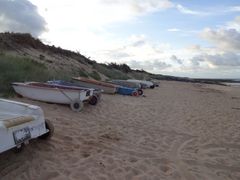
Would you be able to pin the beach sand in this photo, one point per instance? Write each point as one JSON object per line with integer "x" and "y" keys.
{"x": 178, "y": 131}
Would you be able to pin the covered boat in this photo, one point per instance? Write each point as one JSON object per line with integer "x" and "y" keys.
{"x": 21, "y": 122}
{"x": 156, "y": 83}
{"x": 54, "y": 94}
{"x": 106, "y": 87}
{"x": 93, "y": 100}
{"x": 128, "y": 84}
{"x": 127, "y": 91}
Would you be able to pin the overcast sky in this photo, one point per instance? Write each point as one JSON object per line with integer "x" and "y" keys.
{"x": 183, "y": 38}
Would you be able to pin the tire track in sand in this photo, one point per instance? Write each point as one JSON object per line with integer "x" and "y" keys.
{"x": 175, "y": 156}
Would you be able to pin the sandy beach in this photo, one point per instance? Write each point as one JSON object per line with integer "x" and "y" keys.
{"x": 179, "y": 131}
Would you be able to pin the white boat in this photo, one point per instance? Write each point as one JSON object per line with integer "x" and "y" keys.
{"x": 19, "y": 123}
{"x": 53, "y": 94}
{"x": 93, "y": 100}
{"x": 144, "y": 84}
{"x": 106, "y": 87}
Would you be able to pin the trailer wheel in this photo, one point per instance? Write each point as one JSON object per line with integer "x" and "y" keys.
{"x": 76, "y": 105}
{"x": 93, "y": 100}
{"x": 134, "y": 93}
{"x": 50, "y": 132}
{"x": 140, "y": 92}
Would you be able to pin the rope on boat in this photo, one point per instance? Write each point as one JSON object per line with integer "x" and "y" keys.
{"x": 66, "y": 94}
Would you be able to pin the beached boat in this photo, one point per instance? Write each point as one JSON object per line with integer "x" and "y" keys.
{"x": 20, "y": 122}
{"x": 106, "y": 87}
{"x": 93, "y": 100}
{"x": 144, "y": 84}
{"x": 127, "y": 91}
{"x": 156, "y": 84}
{"x": 53, "y": 94}
{"x": 128, "y": 84}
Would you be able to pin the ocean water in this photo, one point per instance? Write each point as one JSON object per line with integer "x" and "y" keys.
{"x": 233, "y": 84}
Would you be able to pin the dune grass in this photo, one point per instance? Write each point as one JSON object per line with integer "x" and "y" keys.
{"x": 19, "y": 69}
{"x": 95, "y": 75}
{"x": 111, "y": 73}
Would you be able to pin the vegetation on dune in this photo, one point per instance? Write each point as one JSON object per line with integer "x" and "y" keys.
{"x": 16, "y": 41}
{"x": 17, "y": 69}
{"x": 121, "y": 67}
{"x": 95, "y": 75}
{"x": 82, "y": 73}
{"x": 111, "y": 73}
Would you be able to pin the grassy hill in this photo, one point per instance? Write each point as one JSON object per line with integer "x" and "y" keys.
{"x": 24, "y": 58}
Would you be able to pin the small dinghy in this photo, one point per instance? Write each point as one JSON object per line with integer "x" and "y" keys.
{"x": 93, "y": 100}
{"x": 21, "y": 122}
{"x": 127, "y": 91}
{"x": 128, "y": 84}
{"x": 54, "y": 94}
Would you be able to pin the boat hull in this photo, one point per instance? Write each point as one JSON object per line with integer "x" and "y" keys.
{"x": 16, "y": 116}
{"x": 52, "y": 95}
{"x": 127, "y": 91}
{"x": 61, "y": 83}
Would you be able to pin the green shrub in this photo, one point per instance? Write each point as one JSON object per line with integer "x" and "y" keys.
{"x": 95, "y": 75}
{"x": 138, "y": 75}
{"x": 82, "y": 73}
{"x": 121, "y": 67}
{"x": 110, "y": 72}
{"x": 18, "y": 69}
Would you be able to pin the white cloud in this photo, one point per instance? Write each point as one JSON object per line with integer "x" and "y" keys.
{"x": 235, "y": 24}
{"x": 139, "y": 7}
{"x": 218, "y": 60}
{"x": 186, "y": 10}
{"x": 150, "y": 65}
{"x": 234, "y": 9}
{"x": 81, "y": 25}
{"x": 20, "y": 16}
{"x": 224, "y": 52}
{"x": 224, "y": 39}
{"x": 176, "y": 59}
{"x": 139, "y": 40}
{"x": 137, "y": 47}
{"x": 96, "y": 13}
{"x": 173, "y": 30}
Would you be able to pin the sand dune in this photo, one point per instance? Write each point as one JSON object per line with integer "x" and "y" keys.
{"x": 178, "y": 131}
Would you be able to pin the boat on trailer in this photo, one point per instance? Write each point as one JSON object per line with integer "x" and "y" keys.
{"x": 127, "y": 91}
{"x": 21, "y": 122}
{"x": 106, "y": 87}
{"x": 54, "y": 94}
{"x": 93, "y": 100}
{"x": 128, "y": 84}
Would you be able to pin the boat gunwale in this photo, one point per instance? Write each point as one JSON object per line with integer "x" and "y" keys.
{"x": 48, "y": 88}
